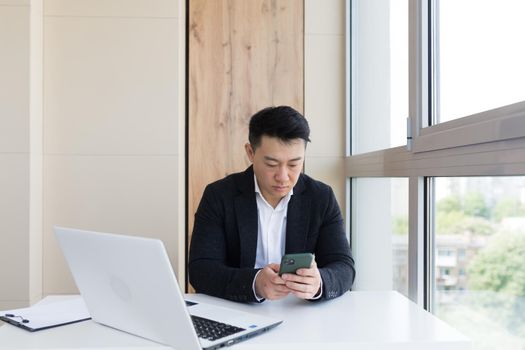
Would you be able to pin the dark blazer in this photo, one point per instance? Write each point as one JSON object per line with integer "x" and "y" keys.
{"x": 224, "y": 242}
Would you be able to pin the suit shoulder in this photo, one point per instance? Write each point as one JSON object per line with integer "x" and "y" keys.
{"x": 229, "y": 184}
{"x": 317, "y": 189}
{"x": 316, "y": 186}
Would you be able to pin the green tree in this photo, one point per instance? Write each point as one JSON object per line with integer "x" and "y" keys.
{"x": 499, "y": 266}
{"x": 497, "y": 275}
{"x": 449, "y": 215}
{"x": 400, "y": 225}
{"x": 449, "y": 204}
{"x": 455, "y": 223}
{"x": 474, "y": 205}
{"x": 450, "y": 222}
{"x": 508, "y": 207}
{"x": 477, "y": 226}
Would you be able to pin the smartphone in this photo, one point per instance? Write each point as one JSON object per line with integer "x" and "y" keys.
{"x": 290, "y": 263}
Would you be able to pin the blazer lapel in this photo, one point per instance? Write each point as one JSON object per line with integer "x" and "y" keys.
{"x": 298, "y": 218}
{"x": 246, "y": 214}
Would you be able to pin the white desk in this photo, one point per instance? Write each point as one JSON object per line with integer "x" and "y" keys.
{"x": 357, "y": 320}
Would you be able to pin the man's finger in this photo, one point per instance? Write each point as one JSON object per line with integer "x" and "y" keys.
{"x": 312, "y": 271}
{"x": 299, "y": 279}
{"x": 301, "y": 287}
{"x": 306, "y": 272}
{"x": 302, "y": 295}
{"x": 274, "y": 267}
{"x": 277, "y": 280}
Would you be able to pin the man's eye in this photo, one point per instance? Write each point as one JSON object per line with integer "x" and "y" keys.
{"x": 271, "y": 165}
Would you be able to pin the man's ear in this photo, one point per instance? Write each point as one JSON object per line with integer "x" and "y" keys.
{"x": 249, "y": 151}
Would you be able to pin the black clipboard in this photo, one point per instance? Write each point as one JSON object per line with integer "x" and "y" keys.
{"x": 30, "y": 329}
{"x": 49, "y": 315}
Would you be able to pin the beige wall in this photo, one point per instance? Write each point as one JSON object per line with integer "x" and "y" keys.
{"x": 111, "y": 123}
{"x": 112, "y": 154}
{"x": 20, "y": 154}
{"x": 325, "y": 92}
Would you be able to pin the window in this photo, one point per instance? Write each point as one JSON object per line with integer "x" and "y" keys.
{"x": 479, "y": 57}
{"x": 380, "y": 74}
{"x": 381, "y": 208}
{"x": 482, "y": 295}
{"x": 464, "y": 170}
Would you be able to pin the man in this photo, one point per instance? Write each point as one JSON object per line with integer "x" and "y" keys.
{"x": 247, "y": 221}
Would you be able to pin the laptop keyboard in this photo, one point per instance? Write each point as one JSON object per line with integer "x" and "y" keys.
{"x": 213, "y": 330}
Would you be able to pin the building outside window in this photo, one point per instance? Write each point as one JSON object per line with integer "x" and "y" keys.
{"x": 483, "y": 293}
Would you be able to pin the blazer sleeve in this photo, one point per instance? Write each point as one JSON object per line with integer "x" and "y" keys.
{"x": 209, "y": 271}
{"x": 333, "y": 255}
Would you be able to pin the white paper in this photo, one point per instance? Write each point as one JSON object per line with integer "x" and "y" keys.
{"x": 51, "y": 314}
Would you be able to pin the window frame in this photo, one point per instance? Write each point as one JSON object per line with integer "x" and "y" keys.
{"x": 490, "y": 143}
{"x": 503, "y": 123}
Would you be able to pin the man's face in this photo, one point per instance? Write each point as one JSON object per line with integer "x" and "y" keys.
{"x": 277, "y": 166}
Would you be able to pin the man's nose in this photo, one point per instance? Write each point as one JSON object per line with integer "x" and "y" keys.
{"x": 282, "y": 174}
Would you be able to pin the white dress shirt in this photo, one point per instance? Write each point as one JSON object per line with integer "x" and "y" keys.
{"x": 271, "y": 231}
{"x": 271, "y": 236}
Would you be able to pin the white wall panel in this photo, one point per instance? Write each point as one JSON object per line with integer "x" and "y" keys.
{"x": 132, "y": 195}
{"x": 16, "y": 188}
{"x": 325, "y": 94}
{"x": 329, "y": 170}
{"x": 112, "y": 8}
{"x": 14, "y": 227}
{"x": 110, "y": 86}
{"x": 111, "y": 124}
{"x": 14, "y": 78}
{"x": 14, "y": 3}
{"x": 324, "y": 17}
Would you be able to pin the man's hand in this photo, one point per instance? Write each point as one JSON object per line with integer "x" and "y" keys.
{"x": 269, "y": 285}
{"x": 305, "y": 284}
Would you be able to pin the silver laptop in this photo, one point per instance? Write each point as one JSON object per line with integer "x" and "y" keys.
{"x": 128, "y": 283}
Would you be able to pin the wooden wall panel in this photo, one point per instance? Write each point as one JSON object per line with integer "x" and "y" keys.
{"x": 243, "y": 55}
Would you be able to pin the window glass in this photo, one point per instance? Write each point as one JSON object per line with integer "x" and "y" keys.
{"x": 380, "y": 233}
{"x": 479, "y": 55}
{"x": 479, "y": 279}
{"x": 379, "y": 75}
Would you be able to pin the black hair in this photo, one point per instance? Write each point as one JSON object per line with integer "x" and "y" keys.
{"x": 282, "y": 122}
